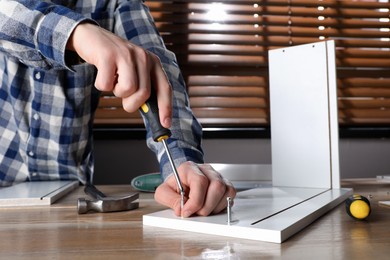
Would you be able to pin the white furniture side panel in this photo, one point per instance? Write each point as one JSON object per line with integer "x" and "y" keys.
{"x": 333, "y": 115}
{"x": 300, "y": 124}
{"x": 36, "y": 193}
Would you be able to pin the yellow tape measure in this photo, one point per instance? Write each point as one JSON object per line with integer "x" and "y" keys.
{"x": 358, "y": 207}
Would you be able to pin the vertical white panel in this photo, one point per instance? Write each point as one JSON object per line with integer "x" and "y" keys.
{"x": 300, "y": 116}
{"x": 333, "y": 114}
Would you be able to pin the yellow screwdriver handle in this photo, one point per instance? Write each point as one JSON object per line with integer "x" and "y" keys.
{"x": 150, "y": 111}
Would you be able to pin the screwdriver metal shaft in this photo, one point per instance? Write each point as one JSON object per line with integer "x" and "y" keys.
{"x": 177, "y": 177}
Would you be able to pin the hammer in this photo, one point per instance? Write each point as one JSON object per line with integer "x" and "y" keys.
{"x": 102, "y": 203}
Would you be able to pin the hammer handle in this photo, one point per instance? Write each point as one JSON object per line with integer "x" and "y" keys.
{"x": 91, "y": 190}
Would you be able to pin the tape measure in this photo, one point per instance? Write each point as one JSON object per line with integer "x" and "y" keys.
{"x": 358, "y": 207}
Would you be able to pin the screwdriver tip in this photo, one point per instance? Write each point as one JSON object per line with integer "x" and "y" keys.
{"x": 182, "y": 204}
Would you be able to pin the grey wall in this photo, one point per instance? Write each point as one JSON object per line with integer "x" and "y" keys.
{"x": 118, "y": 161}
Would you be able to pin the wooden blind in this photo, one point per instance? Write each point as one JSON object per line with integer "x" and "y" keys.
{"x": 222, "y": 48}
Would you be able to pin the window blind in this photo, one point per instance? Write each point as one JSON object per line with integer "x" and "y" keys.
{"x": 222, "y": 48}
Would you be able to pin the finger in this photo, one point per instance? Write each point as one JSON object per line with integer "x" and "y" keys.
{"x": 164, "y": 91}
{"x": 106, "y": 77}
{"x": 166, "y": 195}
{"x": 197, "y": 184}
{"x": 127, "y": 79}
{"x": 142, "y": 74}
{"x": 216, "y": 191}
{"x": 230, "y": 192}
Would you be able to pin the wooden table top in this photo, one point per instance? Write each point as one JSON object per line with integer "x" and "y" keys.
{"x": 58, "y": 231}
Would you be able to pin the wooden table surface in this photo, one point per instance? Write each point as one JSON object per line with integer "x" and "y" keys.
{"x": 59, "y": 232}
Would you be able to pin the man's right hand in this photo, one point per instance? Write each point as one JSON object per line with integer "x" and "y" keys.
{"x": 206, "y": 190}
{"x": 123, "y": 68}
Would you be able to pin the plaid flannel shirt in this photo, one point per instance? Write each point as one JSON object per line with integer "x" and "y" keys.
{"x": 47, "y": 100}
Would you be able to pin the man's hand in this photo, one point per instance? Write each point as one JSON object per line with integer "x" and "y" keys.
{"x": 124, "y": 68}
{"x": 206, "y": 190}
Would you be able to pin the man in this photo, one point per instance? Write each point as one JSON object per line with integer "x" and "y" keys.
{"x": 54, "y": 56}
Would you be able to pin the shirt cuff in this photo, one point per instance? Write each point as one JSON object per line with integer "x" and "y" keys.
{"x": 53, "y": 34}
{"x": 179, "y": 155}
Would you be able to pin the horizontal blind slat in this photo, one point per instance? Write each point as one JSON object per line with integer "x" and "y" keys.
{"x": 374, "y": 103}
{"x": 364, "y": 92}
{"x": 246, "y": 91}
{"x": 228, "y": 102}
{"x": 230, "y": 112}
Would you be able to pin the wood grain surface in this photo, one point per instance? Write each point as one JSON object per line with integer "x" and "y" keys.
{"x": 59, "y": 232}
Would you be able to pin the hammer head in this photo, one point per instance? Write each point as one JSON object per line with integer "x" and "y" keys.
{"x": 108, "y": 204}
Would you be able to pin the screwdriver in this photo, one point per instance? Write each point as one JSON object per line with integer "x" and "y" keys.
{"x": 160, "y": 134}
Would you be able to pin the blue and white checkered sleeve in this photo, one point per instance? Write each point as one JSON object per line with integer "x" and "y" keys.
{"x": 36, "y": 32}
{"x": 134, "y": 22}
